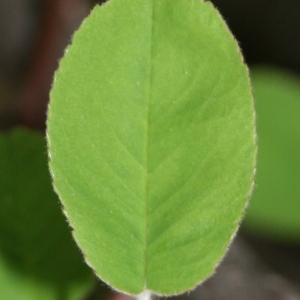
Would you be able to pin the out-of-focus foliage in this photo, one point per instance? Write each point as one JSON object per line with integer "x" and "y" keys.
{"x": 274, "y": 209}
{"x": 38, "y": 258}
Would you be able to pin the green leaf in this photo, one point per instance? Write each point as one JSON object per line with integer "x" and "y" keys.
{"x": 274, "y": 210}
{"x": 38, "y": 258}
{"x": 151, "y": 141}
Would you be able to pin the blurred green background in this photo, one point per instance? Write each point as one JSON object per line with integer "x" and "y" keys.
{"x": 274, "y": 210}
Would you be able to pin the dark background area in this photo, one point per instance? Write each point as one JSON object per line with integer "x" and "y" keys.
{"x": 33, "y": 35}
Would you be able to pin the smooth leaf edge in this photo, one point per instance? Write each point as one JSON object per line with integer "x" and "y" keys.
{"x": 219, "y": 260}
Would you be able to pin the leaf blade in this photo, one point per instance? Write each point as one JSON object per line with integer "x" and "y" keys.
{"x": 136, "y": 145}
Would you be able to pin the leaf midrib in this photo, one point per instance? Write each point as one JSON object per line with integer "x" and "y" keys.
{"x": 149, "y": 100}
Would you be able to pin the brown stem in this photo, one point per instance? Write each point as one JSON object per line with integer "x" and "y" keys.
{"x": 119, "y": 296}
{"x": 61, "y": 18}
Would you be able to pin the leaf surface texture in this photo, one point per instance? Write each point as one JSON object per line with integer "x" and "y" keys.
{"x": 151, "y": 141}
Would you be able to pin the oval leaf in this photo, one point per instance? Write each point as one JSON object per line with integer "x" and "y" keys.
{"x": 275, "y": 207}
{"x": 38, "y": 258}
{"x": 151, "y": 141}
